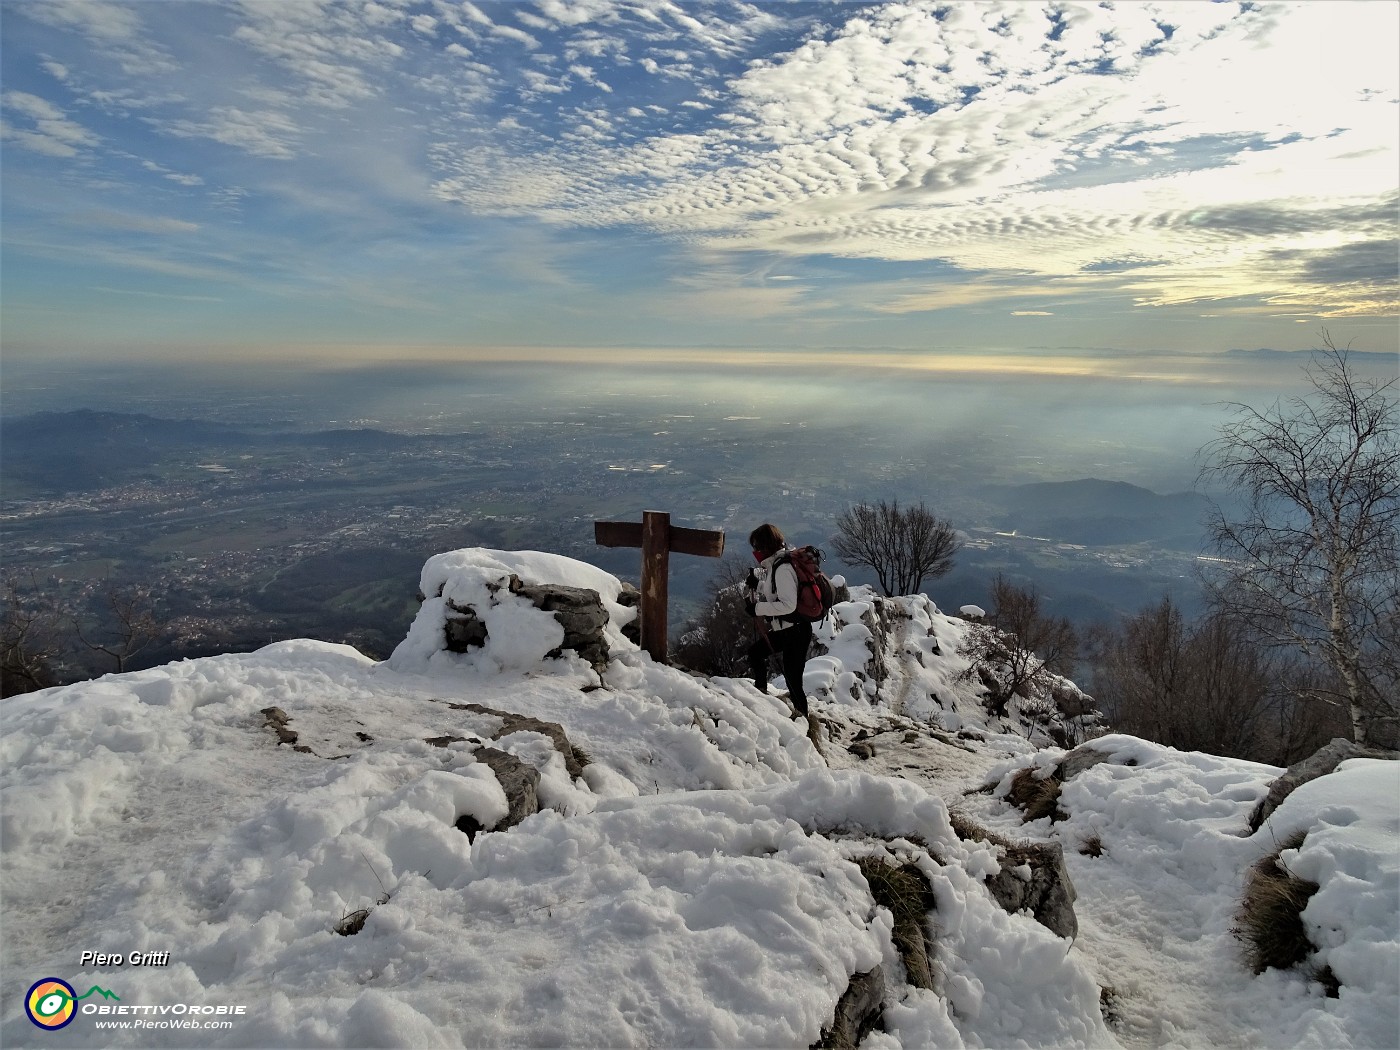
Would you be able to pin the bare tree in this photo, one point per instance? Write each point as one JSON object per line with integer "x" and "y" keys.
{"x": 1206, "y": 686}
{"x": 126, "y": 628}
{"x": 29, "y": 641}
{"x": 1022, "y": 649}
{"x": 1312, "y": 558}
{"x": 903, "y": 546}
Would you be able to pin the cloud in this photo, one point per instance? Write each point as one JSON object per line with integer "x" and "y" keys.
{"x": 474, "y": 13}
{"x": 1016, "y": 159}
{"x": 1057, "y": 140}
{"x": 158, "y": 295}
{"x": 49, "y": 130}
{"x": 264, "y": 133}
{"x": 126, "y": 222}
{"x": 115, "y": 30}
{"x": 333, "y": 50}
{"x": 516, "y": 34}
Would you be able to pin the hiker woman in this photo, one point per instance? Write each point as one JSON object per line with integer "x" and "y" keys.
{"x": 771, "y": 595}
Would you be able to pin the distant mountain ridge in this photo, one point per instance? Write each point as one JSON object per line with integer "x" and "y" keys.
{"x": 1095, "y": 511}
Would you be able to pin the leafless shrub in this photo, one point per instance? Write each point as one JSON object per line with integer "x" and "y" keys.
{"x": 1205, "y": 686}
{"x": 717, "y": 641}
{"x": 29, "y": 637}
{"x": 1022, "y": 650}
{"x": 123, "y": 625}
{"x": 904, "y": 546}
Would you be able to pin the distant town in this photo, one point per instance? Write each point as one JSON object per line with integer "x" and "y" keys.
{"x": 255, "y": 536}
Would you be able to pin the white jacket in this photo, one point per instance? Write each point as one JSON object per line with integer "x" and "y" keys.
{"x": 776, "y": 594}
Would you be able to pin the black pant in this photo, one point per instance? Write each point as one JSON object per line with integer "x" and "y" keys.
{"x": 791, "y": 643}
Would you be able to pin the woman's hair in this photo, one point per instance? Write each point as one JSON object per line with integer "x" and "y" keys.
{"x": 767, "y": 538}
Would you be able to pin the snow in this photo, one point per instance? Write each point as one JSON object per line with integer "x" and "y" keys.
{"x": 695, "y": 886}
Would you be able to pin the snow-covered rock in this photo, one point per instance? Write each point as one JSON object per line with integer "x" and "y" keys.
{"x": 691, "y": 874}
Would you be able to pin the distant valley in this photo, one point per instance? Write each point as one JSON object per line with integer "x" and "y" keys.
{"x": 249, "y": 534}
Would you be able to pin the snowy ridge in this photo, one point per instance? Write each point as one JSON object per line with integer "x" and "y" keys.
{"x": 903, "y": 657}
{"x": 692, "y": 885}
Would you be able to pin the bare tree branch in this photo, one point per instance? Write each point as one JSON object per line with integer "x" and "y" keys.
{"x": 904, "y": 547}
{"x": 1311, "y": 559}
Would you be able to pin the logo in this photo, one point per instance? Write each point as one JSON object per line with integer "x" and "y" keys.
{"x": 52, "y": 1003}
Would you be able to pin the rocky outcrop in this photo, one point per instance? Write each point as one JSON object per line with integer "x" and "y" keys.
{"x": 857, "y": 1012}
{"x": 1318, "y": 764}
{"x": 1070, "y": 700}
{"x": 578, "y": 610}
{"x": 574, "y": 758}
{"x": 879, "y": 619}
{"x": 519, "y": 780}
{"x": 1033, "y": 878}
{"x": 631, "y": 598}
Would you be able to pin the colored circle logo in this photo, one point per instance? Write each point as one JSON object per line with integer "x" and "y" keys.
{"x": 50, "y": 1003}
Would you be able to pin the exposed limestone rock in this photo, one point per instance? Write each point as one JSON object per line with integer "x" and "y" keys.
{"x": 574, "y": 760}
{"x": 578, "y": 610}
{"x": 631, "y": 598}
{"x": 1318, "y": 764}
{"x": 857, "y": 1012}
{"x": 277, "y": 721}
{"x": 519, "y": 780}
{"x": 1033, "y": 877}
{"x": 464, "y": 630}
{"x": 1077, "y": 761}
{"x": 1071, "y": 700}
{"x": 879, "y": 620}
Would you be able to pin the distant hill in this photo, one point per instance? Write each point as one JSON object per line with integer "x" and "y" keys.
{"x": 1356, "y": 356}
{"x": 62, "y": 452}
{"x": 1094, "y": 511}
{"x": 75, "y": 451}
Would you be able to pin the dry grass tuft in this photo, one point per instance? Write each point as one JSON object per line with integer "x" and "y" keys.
{"x": 1270, "y": 920}
{"x": 905, "y": 892}
{"x": 1092, "y": 846}
{"x": 969, "y": 831}
{"x": 1037, "y": 797}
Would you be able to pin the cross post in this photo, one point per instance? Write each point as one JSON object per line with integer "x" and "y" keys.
{"x": 657, "y": 538}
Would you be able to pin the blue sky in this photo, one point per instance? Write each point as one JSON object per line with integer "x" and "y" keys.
{"x": 438, "y": 180}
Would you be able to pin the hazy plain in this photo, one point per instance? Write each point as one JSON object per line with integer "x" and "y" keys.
{"x": 257, "y": 529}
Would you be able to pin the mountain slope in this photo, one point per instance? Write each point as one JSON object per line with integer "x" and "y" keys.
{"x": 1094, "y": 511}
{"x": 300, "y": 828}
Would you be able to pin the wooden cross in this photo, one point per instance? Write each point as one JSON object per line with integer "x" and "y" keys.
{"x": 658, "y": 539}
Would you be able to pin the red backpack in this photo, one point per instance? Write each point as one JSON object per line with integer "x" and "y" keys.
{"x": 815, "y": 595}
